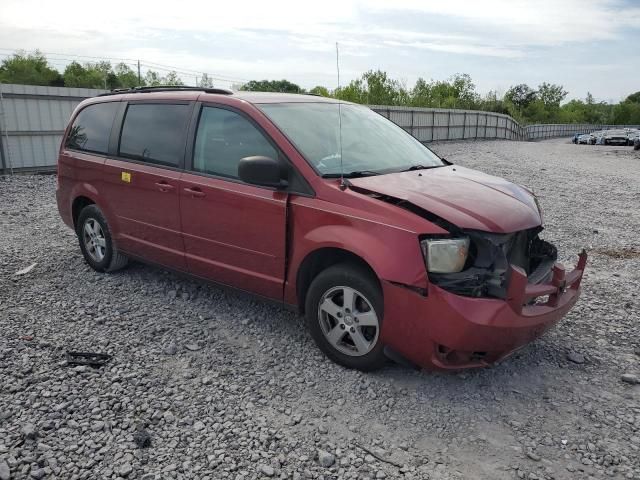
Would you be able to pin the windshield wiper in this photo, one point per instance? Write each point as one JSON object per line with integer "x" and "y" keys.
{"x": 420, "y": 167}
{"x": 354, "y": 174}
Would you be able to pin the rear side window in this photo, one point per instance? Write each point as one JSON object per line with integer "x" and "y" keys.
{"x": 91, "y": 128}
{"x": 224, "y": 137}
{"x": 154, "y": 133}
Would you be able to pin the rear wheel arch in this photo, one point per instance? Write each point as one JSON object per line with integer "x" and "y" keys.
{"x": 79, "y": 203}
{"x": 319, "y": 260}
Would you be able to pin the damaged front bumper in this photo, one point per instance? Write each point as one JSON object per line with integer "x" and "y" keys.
{"x": 445, "y": 330}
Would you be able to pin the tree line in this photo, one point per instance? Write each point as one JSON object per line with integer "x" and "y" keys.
{"x": 34, "y": 69}
{"x": 526, "y": 104}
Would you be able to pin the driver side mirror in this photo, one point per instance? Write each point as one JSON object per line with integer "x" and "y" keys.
{"x": 264, "y": 171}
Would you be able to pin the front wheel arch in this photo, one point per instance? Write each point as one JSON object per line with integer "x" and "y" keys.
{"x": 319, "y": 260}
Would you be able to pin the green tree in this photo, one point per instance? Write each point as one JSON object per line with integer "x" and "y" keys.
{"x": 374, "y": 88}
{"x": 626, "y": 113}
{"x": 551, "y": 95}
{"x": 464, "y": 91}
{"x": 172, "y": 79}
{"x": 319, "y": 90}
{"x": 520, "y": 95}
{"x": 29, "y": 69}
{"x": 354, "y": 92}
{"x": 126, "y": 77}
{"x": 205, "y": 81}
{"x": 283, "y": 86}
{"x": 152, "y": 78}
{"x": 633, "y": 98}
{"x": 85, "y": 76}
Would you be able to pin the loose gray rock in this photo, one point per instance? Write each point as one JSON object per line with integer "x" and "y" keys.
{"x": 142, "y": 438}
{"x": 29, "y": 431}
{"x": 170, "y": 349}
{"x": 125, "y": 470}
{"x": 575, "y": 357}
{"x": 267, "y": 470}
{"x": 198, "y": 426}
{"x": 38, "y": 473}
{"x": 97, "y": 427}
{"x": 5, "y": 472}
{"x": 630, "y": 378}
{"x": 533, "y": 456}
{"x": 325, "y": 458}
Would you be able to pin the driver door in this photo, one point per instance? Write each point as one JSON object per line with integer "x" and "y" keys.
{"x": 234, "y": 233}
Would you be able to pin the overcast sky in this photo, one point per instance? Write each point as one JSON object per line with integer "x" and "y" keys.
{"x": 585, "y": 45}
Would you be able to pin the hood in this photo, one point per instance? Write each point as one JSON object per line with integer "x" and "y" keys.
{"x": 466, "y": 198}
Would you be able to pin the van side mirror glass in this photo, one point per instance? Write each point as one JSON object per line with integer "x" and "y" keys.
{"x": 264, "y": 171}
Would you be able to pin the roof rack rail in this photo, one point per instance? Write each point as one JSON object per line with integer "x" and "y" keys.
{"x": 167, "y": 88}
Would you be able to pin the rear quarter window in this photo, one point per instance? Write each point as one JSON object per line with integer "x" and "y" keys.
{"x": 155, "y": 133}
{"x": 92, "y": 127}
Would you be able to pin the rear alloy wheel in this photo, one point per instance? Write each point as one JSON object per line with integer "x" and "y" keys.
{"x": 96, "y": 243}
{"x": 94, "y": 240}
{"x": 344, "y": 314}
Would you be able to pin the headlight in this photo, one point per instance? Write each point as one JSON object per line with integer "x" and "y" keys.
{"x": 445, "y": 255}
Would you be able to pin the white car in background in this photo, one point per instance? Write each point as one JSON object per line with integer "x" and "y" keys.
{"x": 586, "y": 139}
{"x": 614, "y": 137}
{"x": 632, "y": 134}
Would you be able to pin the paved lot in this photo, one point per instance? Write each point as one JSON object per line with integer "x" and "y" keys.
{"x": 227, "y": 387}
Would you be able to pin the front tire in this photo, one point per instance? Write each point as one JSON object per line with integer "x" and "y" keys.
{"x": 344, "y": 309}
{"x": 96, "y": 242}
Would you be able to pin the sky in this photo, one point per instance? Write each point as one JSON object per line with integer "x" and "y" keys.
{"x": 584, "y": 45}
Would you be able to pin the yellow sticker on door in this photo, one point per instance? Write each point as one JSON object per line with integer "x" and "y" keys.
{"x": 126, "y": 177}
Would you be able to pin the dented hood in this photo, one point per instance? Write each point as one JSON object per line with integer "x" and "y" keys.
{"x": 467, "y": 198}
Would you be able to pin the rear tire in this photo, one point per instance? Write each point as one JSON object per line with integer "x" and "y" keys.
{"x": 96, "y": 242}
{"x": 344, "y": 309}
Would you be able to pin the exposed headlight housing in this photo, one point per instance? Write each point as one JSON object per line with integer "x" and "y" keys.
{"x": 445, "y": 255}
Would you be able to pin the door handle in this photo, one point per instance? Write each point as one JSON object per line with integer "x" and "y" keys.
{"x": 194, "y": 192}
{"x": 164, "y": 186}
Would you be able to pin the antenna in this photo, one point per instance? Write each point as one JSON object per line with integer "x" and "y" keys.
{"x": 343, "y": 185}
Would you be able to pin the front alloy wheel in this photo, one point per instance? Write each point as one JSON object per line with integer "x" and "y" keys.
{"x": 348, "y": 321}
{"x": 344, "y": 309}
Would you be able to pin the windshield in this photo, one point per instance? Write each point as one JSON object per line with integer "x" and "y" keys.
{"x": 371, "y": 144}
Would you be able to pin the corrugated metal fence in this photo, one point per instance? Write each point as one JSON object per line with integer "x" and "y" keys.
{"x": 32, "y": 121}
{"x": 435, "y": 124}
{"x": 33, "y": 118}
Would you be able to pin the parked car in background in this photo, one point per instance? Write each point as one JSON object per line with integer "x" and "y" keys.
{"x": 586, "y": 139}
{"x": 575, "y": 137}
{"x": 632, "y": 134}
{"x": 636, "y": 143}
{"x": 614, "y": 137}
{"x": 387, "y": 249}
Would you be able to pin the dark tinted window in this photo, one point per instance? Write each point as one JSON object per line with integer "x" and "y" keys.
{"x": 91, "y": 128}
{"x": 224, "y": 137}
{"x": 154, "y": 133}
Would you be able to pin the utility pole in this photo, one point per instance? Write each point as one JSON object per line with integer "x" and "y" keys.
{"x": 139, "y": 82}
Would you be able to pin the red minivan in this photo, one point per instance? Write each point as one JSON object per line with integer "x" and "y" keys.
{"x": 387, "y": 249}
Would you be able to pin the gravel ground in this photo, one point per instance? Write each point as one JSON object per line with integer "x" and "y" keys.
{"x": 210, "y": 384}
